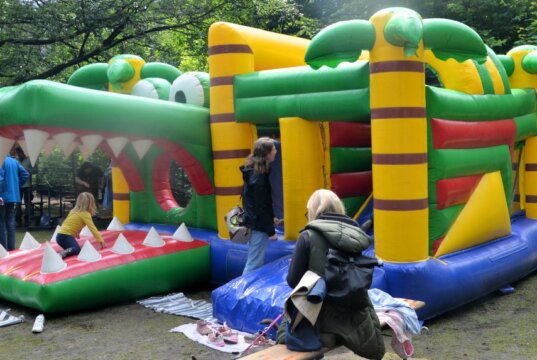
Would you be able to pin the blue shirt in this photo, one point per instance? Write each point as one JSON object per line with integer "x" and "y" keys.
{"x": 11, "y": 175}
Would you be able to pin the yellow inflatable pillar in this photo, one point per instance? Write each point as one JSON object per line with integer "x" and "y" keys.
{"x": 229, "y": 55}
{"x": 399, "y": 148}
{"x": 121, "y": 199}
{"x": 530, "y": 180}
{"x": 303, "y": 161}
{"x": 233, "y": 50}
{"x": 121, "y": 191}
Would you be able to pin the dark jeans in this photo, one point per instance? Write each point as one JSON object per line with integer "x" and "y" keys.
{"x": 26, "y": 197}
{"x": 68, "y": 243}
{"x": 7, "y": 226}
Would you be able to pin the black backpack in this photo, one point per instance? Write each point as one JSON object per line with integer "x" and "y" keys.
{"x": 348, "y": 277}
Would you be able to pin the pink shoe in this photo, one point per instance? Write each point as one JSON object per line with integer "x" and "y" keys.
{"x": 216, "y": 339}
{"x": 229, "y": 335}
{"x": 404, "y": 349}
{"x": 202, "y": 327}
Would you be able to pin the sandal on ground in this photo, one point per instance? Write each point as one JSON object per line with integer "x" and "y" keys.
{"x": 229, "y": 335}
{"x": 217, "y": 339}
{"x": 202, "y": 327}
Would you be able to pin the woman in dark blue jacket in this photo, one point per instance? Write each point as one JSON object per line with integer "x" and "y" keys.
{"x": 257, "y": 201}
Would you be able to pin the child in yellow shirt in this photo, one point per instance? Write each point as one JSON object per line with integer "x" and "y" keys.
{"x": 81, "y": 215}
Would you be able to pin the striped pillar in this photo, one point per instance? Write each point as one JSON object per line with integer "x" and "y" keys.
{"x": 399, "y": 149}
{"x": 530, "y": 180}
{"x": 121, "y": 192}
{"x": 121, "y": 200}
{"x": 229, "y": 55}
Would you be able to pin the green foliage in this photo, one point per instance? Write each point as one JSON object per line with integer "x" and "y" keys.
{"x": 180, "y": 185}
{"x": 49, "y": 39}
{"x": 58, "y": 171}
{"x": 502, "y": 24}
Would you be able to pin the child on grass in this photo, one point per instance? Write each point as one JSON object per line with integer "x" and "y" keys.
{"x": 81, "y": 215}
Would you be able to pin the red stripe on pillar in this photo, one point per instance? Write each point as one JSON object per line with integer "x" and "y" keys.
{"x": 397, "y": 65}
{"x": 400, "y": 159}
{"x": 398, "y": 113}
{"x": 401, "y": 205}
{"x": 230, "y": 49}
{"x": 235, "y": 190}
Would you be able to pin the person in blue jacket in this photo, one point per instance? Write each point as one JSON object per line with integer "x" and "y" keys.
{"x": 12, "y": 175}
{"x": 257, "y": 201}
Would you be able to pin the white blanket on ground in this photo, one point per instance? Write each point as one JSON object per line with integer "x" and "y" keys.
{"x": 189, "y": 330}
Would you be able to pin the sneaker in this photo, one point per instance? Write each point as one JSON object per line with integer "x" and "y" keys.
{"x": 65, "y": 253}
{"x": 39, "y": 324}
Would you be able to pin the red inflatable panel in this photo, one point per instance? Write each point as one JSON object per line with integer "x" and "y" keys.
{"x": 350, "y": 134}
{"x": 455, "y": 191}
{"x": 352, "y": 184}
{"x": 26, "y": 265}
{"x": 448, "y": 134}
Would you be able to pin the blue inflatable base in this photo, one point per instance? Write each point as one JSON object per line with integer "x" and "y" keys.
{"x": 227, "y": 258}
{"x": 444, "y": 284}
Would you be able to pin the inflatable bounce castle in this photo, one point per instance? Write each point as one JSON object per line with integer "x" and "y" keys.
{"x": 414, "y": 122}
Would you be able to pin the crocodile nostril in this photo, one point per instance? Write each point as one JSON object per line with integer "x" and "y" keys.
{"x": 180, "y": 97}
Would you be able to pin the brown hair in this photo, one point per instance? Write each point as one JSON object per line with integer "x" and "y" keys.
{"x": 258, "y": 158}
{"x": 85, "y": 202}
{"x": 324, "y": 201}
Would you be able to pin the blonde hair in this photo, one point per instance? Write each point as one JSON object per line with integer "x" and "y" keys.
{"x": 258, "y": 158}
{"x": 85, "y": 202}
{"x": 324, "y": 201}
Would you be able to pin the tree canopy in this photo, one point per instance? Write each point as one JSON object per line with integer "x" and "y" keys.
{"x": 49, "y": 39}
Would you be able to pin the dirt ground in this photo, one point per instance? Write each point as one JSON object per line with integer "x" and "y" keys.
{"x": 495, "y": 327}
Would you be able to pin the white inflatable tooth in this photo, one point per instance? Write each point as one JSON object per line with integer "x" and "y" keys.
{"x": 52, "y": 261}
{"x": 65, "y": 140}
{"x": 142, "y": 147}
{"x": 5, "y": 146}
{"x": 91, "y": 142}
{"x": 53, "y": 238}
{"x": 29, "y": 242}
{"x": 3, "y": 252}
{"x": 117, "y": 144}
{"x": 69, "y": 149}
{"x": 88, "y": 253}
{"x": 122, "y": 246}
{"x": 35, "y": 139}
{"x": 182, "y": 234}
{"x": 115, "y": 225}
{"x": 85, "y": 231}
{"x": 153, "y": 239}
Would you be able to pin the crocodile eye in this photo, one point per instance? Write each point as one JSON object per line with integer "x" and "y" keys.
{"x": 191, "y": 88}
{"x": 153, "y": 88}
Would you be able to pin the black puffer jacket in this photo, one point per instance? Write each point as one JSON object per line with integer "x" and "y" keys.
{"x": 257, "y": 201}
{"x": 356, "y": 328}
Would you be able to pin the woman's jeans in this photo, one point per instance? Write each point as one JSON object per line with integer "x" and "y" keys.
{"x": 68, "y": 243}
{"x": 256, "y": 251}
{"x": 7, "y": 226}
